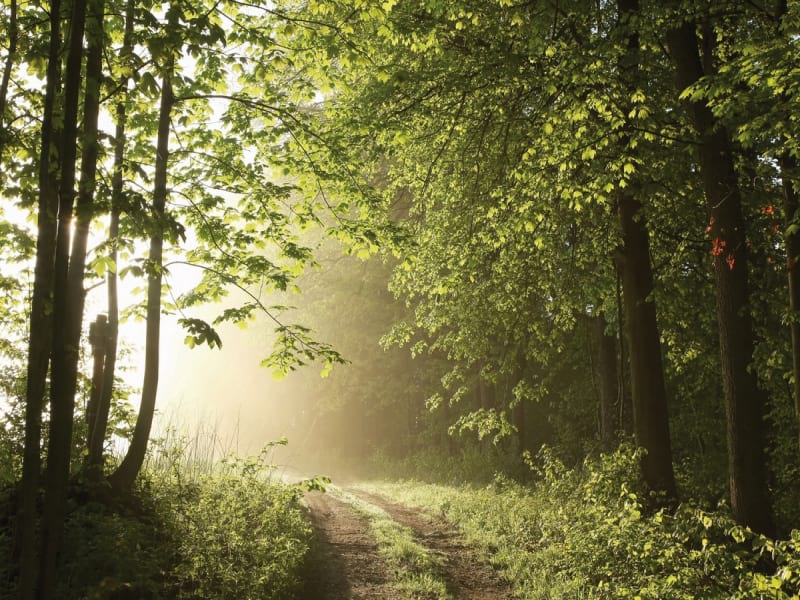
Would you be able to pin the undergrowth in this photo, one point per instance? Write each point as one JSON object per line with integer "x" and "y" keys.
{"x": 224, "y": 532}
{"x": 240, "y": 535}
{"x": 589, "y": 533}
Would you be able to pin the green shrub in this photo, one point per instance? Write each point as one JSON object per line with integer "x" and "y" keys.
{"x": 591, "y": 533}
{"x": 226, "y": 532}
{"x": 110, "y": 549}
{"x": 241, "y": 536}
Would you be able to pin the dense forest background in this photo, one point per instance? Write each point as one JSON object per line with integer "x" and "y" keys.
{"x": 492, "y": 226}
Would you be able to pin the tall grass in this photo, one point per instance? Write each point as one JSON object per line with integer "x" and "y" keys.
{"x": 200, "y": 523}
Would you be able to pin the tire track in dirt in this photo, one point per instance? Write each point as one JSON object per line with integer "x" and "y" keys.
{"x": 344, "y": 563}
{"x": 466, "y": 575}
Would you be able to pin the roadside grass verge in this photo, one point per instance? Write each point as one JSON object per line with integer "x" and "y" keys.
{"x": 588, "y": 533}
{"x": 415, "y": 570}
{"x": 239, "y": 534}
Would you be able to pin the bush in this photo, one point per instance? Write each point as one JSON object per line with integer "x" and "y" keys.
{"x": 241, "y": 536}
{"x": 592, "y": 532}
{"x": 227, "y": 532}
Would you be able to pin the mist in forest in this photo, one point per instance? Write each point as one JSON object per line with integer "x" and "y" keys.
{"x": 333, "y": 422}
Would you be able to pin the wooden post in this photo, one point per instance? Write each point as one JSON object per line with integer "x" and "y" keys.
{"x": 98, "y": 336}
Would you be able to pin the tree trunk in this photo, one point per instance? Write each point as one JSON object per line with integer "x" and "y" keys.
{"x": 744, "y": 401}
{"x": 789, "y": 169}
{"x": 41, "y": 326}
{"x": 608, "y": 385}
{"x": 85, "y": 205}
{"x": 128, "y": 470}
{"x": 62, "y": 386}
{"x": 624, "y": 400}
{"x": 519, "y": 422}
{"x": 13, "y": 34}
{"x": 648, "y": 391}
{"x": 791, "y": 217}
{"x": 97, "y": 429}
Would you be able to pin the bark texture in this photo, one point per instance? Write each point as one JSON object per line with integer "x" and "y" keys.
{"x": 607, "y": 381}
{"x": 62, "y": 387}
{"x": 40, "y": 331}
{"x": 744, "y": 401}
{"x": 648, "y": 391}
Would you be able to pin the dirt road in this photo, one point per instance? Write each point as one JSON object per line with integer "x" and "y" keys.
{"x": 346, "y": 564}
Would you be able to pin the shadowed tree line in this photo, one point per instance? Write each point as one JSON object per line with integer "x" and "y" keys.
{"x": 597, "y": 213}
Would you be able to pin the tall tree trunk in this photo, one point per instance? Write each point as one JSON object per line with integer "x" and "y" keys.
{"x": 608, "y": 385}
{"x": 789, "y": 171}
{"x": 86, "y": 187}
{"x": 648, "y": 391}
{"x": 13, "y": 35}
{"x": 97, "y": 429}
{"x": 744, "y": 401}
{"x": 789, "y": 167}
{"x": 62, "y": 393}
{"x": 650, "y": 416}
{"x": 624, "y": 400}
{"x": 41, "y": 326}
{"x": 97, "y": 338}
{"x": 128, "y": 470}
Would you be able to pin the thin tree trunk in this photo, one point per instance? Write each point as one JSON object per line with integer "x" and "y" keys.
{"x": 791, "y": 217}
{"x": 625, "y": 418}
{"x": 97, "y": 429}
{"x": 520, "y": 414}
{"x": 648, "y": 391}
{"x": 97, "y": 338}
{"x": 789, "y": 169}
{"x": 650, "y": 416}
{"x": 40, "y": 331}
{"x": 519, "y": 423}
{"x": 62, "y": 394}
{"x": 13, "y": 35}
{"x": 608, "y": 385}
{"x": 86, "y": 189}
{"x": 128, "y": 470}
{"x": 744, "y": 401}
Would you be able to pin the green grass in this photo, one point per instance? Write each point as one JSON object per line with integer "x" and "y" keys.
{"x": 416, "y": 572}
{"x": 587, "y": 533}
{"x": 222, "y": 530}
{"x": 239, "y": 536}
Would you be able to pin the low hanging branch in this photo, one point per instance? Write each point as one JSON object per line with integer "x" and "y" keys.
{"x": 293, "y": 348}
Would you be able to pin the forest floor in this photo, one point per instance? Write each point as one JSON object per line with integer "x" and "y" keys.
{"x": 347, "y": 562}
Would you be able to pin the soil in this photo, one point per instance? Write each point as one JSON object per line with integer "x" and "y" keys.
{"x": 345, "y": 563}
{"x": 466, "y": 575}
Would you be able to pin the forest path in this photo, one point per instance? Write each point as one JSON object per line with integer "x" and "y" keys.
{"x": 466, "y": 575}
{"x": 346, "y": 564}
